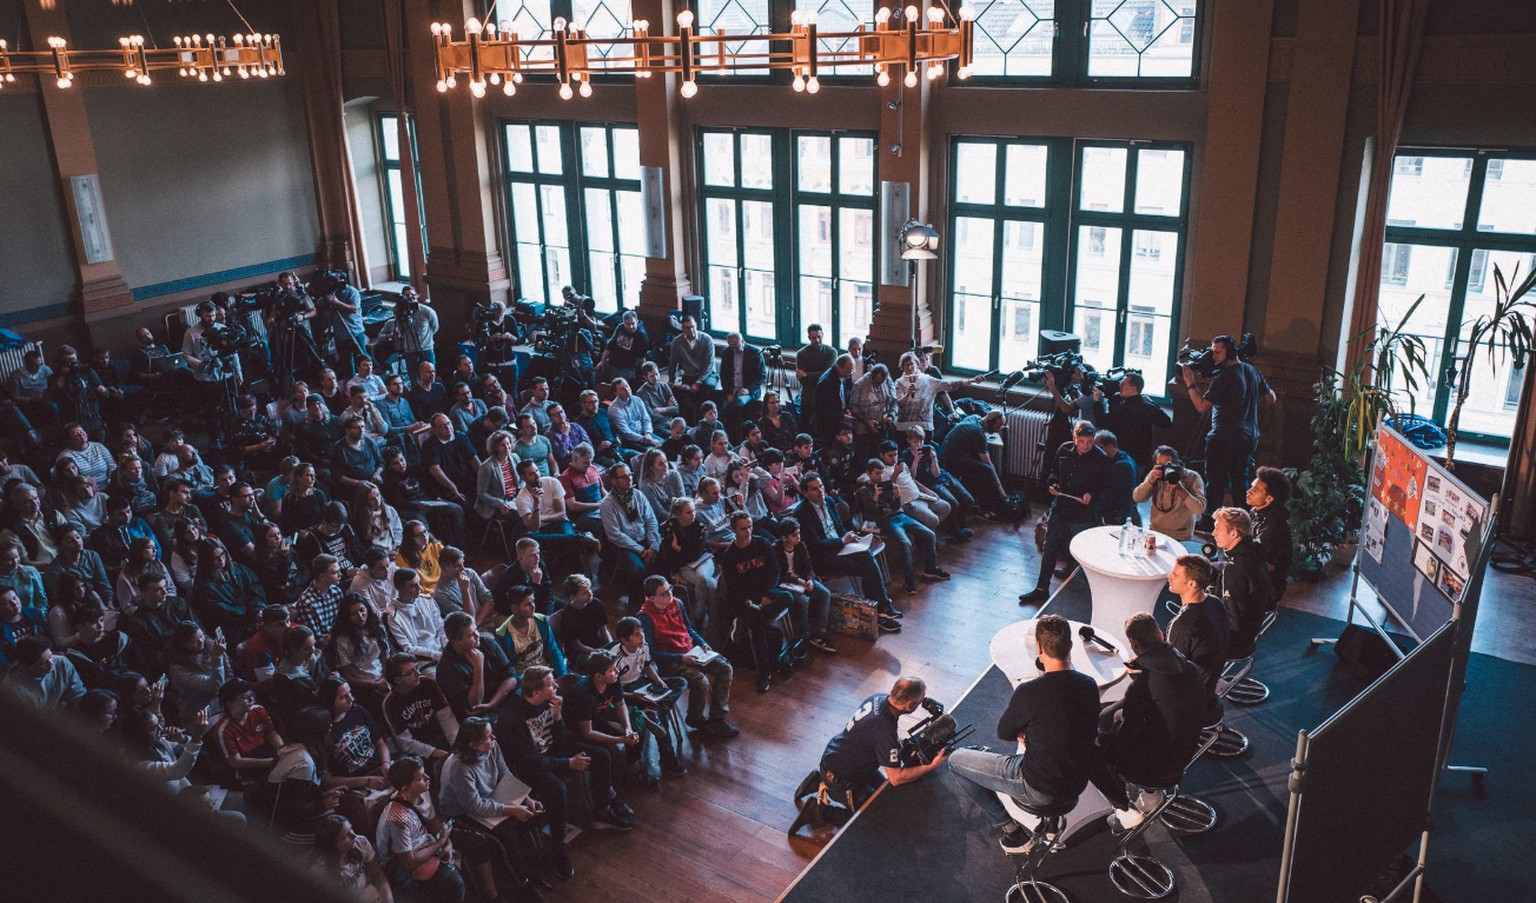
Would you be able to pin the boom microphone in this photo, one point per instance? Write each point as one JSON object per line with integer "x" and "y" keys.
{"x": 1089, "y": 636}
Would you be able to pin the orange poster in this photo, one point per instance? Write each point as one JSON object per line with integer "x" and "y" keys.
{"x": 1397, "y": 477}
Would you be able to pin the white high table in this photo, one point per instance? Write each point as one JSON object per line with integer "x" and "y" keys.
{"x": 1013, "y": 651}
{"x": 1120, "y": 587}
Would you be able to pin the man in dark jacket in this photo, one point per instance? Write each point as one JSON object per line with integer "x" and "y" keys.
{"x": 1149, "y": 737}
{"x": 834, "y": 390}
{"x": 749, "y": 574}
{"x": 1199, "y": 630}
{"x": 538, "y": 749}
{"x": 1082, "y": 475}
{"x": 1267, "y": 496}
{"x": 1134, "y": 419}
{"x": 1117, "y": 503}
{"x": 1243, "y": 583}
{"x": 826, "y": 536}
{"x": 741, "y": 381}
{"x": 964, "y": 454}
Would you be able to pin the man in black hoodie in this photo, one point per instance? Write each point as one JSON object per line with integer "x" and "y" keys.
{"x": 1267, "y": 496}
{"x": 533, "y": 738}
{"x": 1149, "y": 737}
{"x": 1199, "y": 630}
{"x": 1243, "y": 582}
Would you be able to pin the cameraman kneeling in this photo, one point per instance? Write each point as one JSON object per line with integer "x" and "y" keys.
{"x": 868, "y": 749}
{"x": 1177, "y": 494}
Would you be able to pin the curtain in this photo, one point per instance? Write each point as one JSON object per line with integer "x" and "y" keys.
{"x": 1401, "y": 27}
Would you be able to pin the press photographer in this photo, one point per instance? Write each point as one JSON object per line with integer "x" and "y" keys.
{"x": 1177, "y": 494}
{"x": 335, "y": 294}
{"x": 868, "y": 751}
{"x": 412, "y": 329}
{"x": 287, "y": 312}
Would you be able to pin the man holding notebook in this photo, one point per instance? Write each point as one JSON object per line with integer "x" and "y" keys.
{"x": 680, "y": 651}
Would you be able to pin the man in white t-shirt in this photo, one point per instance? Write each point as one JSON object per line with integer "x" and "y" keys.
{"x": 917, "y": 501}
{"x": 541, "y": 505}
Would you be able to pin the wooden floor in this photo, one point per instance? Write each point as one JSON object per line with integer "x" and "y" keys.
{"x": 719, "y": 832}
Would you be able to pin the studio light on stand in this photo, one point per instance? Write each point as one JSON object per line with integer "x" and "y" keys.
{"x": 919, "y": 241}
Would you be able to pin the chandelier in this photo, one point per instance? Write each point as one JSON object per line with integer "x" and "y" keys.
{"x": 899, "y": 43}
{"x": 201, "y": 57}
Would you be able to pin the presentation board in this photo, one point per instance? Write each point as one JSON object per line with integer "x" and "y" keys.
{"x": 1418, "y": 535}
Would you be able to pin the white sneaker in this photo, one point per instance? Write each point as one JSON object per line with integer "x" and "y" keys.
{"x": 1148, "y": 800}
{"x": 1126, "y": 819}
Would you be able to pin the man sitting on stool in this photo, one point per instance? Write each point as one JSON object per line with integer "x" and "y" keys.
{"x": 1056, "y": 717}
{"x": 1149, "y": 736}
{"x": 1199, "y": 630}
{"x": 1243, "y": 582}
{"x": 866, "y": 752}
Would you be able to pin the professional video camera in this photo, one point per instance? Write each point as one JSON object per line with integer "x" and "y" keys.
{"x": 1200, "y": 359}
{"x": 774, "y": 355}
{"x": 1109, "y": 381}
{"x": 229, "y": 338}
{"x": 934, "y": 734}
{"x": 1060, "y": 365}
{"x": 328, "y": 282}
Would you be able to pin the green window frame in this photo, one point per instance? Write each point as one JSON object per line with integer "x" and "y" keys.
{"x": 1452, "y": 215}
{"x": 1124, "y": 43}
{"x": 779, "y": 201}
{"x": 388, "y": 133}
{"x": 1042, "y": 237}
{"x": 573, "y": 209}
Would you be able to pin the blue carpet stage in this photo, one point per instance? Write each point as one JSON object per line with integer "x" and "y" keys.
{"x": 926, "y": 841}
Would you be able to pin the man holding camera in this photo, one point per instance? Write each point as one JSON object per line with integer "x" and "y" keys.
{"x": 867, "y": 751}
{"x": 1233, "y": 403}
{"x": 1177, "y": 494}
{"x": 415, "y": 325}
{"x": 1081, "y": 476}
{"x": 1132, "y": 418}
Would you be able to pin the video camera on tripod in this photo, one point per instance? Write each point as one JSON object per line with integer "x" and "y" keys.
{"x": 935, "y": 734}
{"x": 1060, "y": 365}
{"x": 227, "y": 339}
{"x": 1203, "y": 362}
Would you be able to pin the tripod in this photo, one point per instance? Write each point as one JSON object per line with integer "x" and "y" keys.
{"x": 290, "y": 341}
{"x": 223, "y": 394}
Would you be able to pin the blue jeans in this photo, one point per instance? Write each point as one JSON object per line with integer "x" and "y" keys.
{"x": 983, "y": 773}
{"x": 816, "y": 605}
{"x": 903, "y": 532}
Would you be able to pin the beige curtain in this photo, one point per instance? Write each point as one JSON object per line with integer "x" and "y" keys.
{"x": 1401, "y": 28}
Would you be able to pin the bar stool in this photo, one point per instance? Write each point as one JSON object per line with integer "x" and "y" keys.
{"x": 1249, "y": 691}
{"x": 1229, "y": 742}
{"x": 1048, "y": 824}
{"x": 1142, "y": 875}
{"x": 1189, "y": 815}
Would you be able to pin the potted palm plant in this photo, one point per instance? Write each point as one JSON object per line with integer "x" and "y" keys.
{"x": 1504, "y": 331}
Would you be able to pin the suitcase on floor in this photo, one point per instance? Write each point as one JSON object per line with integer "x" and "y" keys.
{"x": 853, "y": 616}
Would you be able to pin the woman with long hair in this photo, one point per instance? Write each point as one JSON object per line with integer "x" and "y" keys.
{"x": 186, "y": 535}
{"x": 281, "y": 577}
{"x": 349, "y": 862}
{"x": 359, "y": 645}
{"x": 196, "y": 666}
{"x": 303, "y": 503}
{"x": 778, "y": 424}
{"x": 226, "y": 593}
{"x": 355, "y": 753}
{"x": 143, "y": 558}
{"x": 71, "y": 595}
{"x": 298, "y": 795}
{"x": 658, "y": 481}
{"x": 375, "y": 521}
{"x": 684, "y": 556}
{"x": 484, "y": 827}
{"x": 742, "y": 490}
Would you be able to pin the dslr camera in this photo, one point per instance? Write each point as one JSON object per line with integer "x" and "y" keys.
{"x": 1200, "y": 359}
{"x": 1172, "y": 473}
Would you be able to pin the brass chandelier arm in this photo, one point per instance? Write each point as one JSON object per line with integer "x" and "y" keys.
{"x": 200, "y": 57}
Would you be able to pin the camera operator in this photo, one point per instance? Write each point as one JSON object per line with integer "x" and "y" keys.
{"x": 209, "y": 367}
{"x": 867, "y": 751}
{"x": 811, "y": 361}
{"x": 1233, "y": 403}
{"x": 414, "y": 329}
{"x": 292, "y": 342}
{"x": 345, "y": 304}
{"x": 1133, "y": 418}
{"x": 626, "y": 350}
{"x": 1177, "y": 494}
{"x": 1081, "y": 477}
{"x": 576, "y": 346}
{"x": 873, "y": 406}
{"x": 1064, "y": 409}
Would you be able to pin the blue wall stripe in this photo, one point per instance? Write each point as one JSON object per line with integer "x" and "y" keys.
{"x": 144, "y": 293}
{"x": 36, "y": 313}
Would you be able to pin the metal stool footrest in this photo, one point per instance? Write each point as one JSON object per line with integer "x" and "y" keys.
{"x": 1141, "y": 876}
{"x": 1230, "y": 744}
{"x": 1047, "y": 839}
{"x": 1187, "y": 815}
{"x": 1248, "y": 691}
{"x": 1032, "y": 891}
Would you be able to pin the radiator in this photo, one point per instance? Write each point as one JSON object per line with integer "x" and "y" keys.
{"x": 11, "y": 361}
{"x": 1022, "y": 456}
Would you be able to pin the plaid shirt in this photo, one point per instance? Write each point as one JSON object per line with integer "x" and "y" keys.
{"x": 316, "y": 609}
